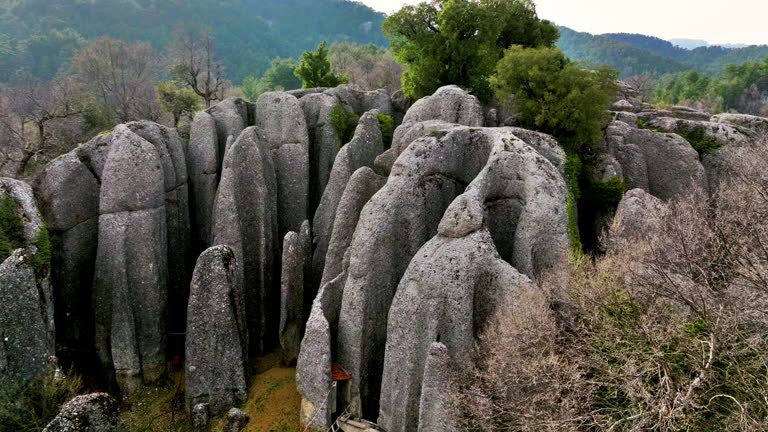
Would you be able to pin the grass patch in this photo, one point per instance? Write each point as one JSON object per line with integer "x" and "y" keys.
{"x": 158, "y": 408}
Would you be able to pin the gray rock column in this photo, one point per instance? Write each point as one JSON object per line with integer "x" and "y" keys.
{"x": 434, "y": 409}
{"x": 203, "y": 165}
{"x": 296, "y": 248}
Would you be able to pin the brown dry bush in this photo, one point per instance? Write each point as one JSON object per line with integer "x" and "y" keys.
{"x": 667, "y": 335}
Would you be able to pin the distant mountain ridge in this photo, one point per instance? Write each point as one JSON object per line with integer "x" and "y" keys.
{"x": 248, "y": 33}
{"x": 634, "y": 54}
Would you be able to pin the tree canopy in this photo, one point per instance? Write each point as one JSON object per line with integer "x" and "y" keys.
{"x": 315, "y": 69}
{"x": 460, "y": 41}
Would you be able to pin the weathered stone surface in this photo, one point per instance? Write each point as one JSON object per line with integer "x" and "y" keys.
{"x": 678, "y": 112}
{"x": 26, "y": 324}
{"x": 360, "y": 152}
{"x": 281, "y": 119}
{"x": 637, "y": 218}
{"x": 324, "y": 142}
{"x": 363, "y": 184}
{"x": 449, "y": 104}
{"x": 434, "y": 406}
{"x": 722, "y": 133}
{"x": 203, "y": 165}
{"x": 180, "y": 258}
{"x": 96, "y": 412}
{"x": 313, "y": 372}
{"x": 236, "y": 420}
{"x": 407, "y": 133}
{"x": 451, "y": 287}
{"x": 93, "y": 154}
{"x": 755, "y": 123}
{"x": 664, "y": 165}
{"x": 130, "y": 283}
{"x": 294, "y": 267}
{"x": 245, "y": 219}
{"x": 545, "y": 144}
{"x": 405, "y": 214}
{"x": 360, "y": 101}
{"x": 217, "y": 337}
{"x": 231, "y": 117}
{"x": 68, "y": 194}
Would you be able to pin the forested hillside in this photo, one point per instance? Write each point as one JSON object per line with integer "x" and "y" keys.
{"x": 635, "y": 54}
{"x": 39, "y": 36}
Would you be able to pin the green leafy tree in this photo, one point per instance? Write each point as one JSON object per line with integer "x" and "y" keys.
{"x": 552, "y": 94}
{"x": 279, "y": 77}
{"x": 315, "y": 70}
{"x": 460, "y": 41}
{"x": 178, "y": 100}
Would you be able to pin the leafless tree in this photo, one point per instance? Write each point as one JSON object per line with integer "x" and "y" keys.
{"x": 122, "y": 75}
{"x": 195, "y": 66}
{"x": 644, "y": 85}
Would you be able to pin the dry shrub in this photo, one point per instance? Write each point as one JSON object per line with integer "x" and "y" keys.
{"x": 668, "y": 335}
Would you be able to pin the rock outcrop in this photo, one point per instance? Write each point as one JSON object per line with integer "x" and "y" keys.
{"x": 637, "y": 218}
{"x": 361, "y": 152}
{"x": 281, "y": 119}
{"x": 236, "y": 420}
{"x": 231, "y": 116}
{"x": 297, "y": 248}
{"x": 324, "y": 142}
{"x": 245, "y": 219}
{"x": 754, "y": 123}
{"x": 131, "y": 277}
{"x": 434, "y": 405}
{"x": 87, "y": 413}
{"x": 217, "y": 337}
{"x": 203, "y": 165}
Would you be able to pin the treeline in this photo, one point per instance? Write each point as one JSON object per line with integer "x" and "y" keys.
{"x": 39, "y": 36}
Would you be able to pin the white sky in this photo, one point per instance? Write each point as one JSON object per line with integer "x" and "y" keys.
{"x": 716, "y": 21}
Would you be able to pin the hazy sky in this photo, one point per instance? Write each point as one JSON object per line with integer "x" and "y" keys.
{"x": 731, "y": 21}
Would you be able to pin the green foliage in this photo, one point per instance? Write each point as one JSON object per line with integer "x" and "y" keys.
{"x": 697, "y": 137}
{"x": 387, "y": 126}
{"x": 553, "y": 95}
{"x": 314, "y": 69}
{"x": 178, "y": 100}
{"x": 279, "y": 77}
{"x": 691, "y": 86}
{"x": 11, "y": 227}
{"x": 573, "y": 170}
{"x": 41, "y": 260}
{"x": 345, "y": 123}
{"x": 605, "y": 194}
{"x": 38, "y": 403}
{"x": 460, "y": 41}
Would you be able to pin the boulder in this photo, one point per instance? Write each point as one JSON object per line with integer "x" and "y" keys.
{"x": 236, "y": 420}
{"x": 281, "y": 119}
{"x": 664, "y": 165}
{"x": 203, "y": 165}
{"x": 245, "y": 219}
{"x": 361, "y": 152}
{"x": 405, "y": 213}
{"x": 231, "y": 117}
{"x": 217, "y": 337}
{"x": 131, "y": 280}
{"x": 361, "y": 101}
{"x": 26, "y": 322}
{"x": 637, "y": 218}
{"x": 88, "y": 413}
{"x": 449, "y": 104}
{"x": 296, "y": 249}
{"x": 722, "y": 134}
{"x": 754, "y": 123}
{"x": 200, "y": 418}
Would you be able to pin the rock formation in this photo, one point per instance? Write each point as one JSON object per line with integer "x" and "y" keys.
{"x": 236, "y": 420}
{"x": 324, "y": 142}
{"x": 637, "y": 218}
{"x": 434, "y": 405}
{"x": 360, "y": 152}
{"x": 87, "y": 413}
{"x": 245, "y": 219}
{"x": 297, "y": 248}
{"x": 131, "y": 278}
{"x": 203, "y": 165}
{"x": 217, "y": 337}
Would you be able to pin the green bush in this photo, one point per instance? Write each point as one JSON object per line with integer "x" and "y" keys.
{"x": 38, "y": 403}
{"x": 314, "y": 69}
{"x": 41, "y": 260}
{"x": 573, "y": 169}
{"x": 387, "y": 126}
{"x": 11, "y": 227}
{"x": 345, "y": 123}
{"x": 697, "y": 137}
{"x": 605, "y": 194}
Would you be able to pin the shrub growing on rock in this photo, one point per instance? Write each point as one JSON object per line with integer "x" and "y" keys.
{"x": 11, "y": 227}
{"x": 344, "y": 122}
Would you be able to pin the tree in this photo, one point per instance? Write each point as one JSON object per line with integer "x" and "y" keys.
{"x": 315, "y": 70}
{"x": 367, "y": 66}
{"x": 460, "y": 41}
{"x": 552, "y": 94}
{"x": 643, "y": 84}
{"x": 279, "y": 77}
{"x": 195, "y": 66}
{"x": 178, "y": 100}
{"x": 121, "y": 75}
{"x": 36, "y": 104}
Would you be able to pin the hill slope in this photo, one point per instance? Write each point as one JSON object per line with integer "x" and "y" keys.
{"x": 634, "y": 54}
{"x": 249, "y": 33}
